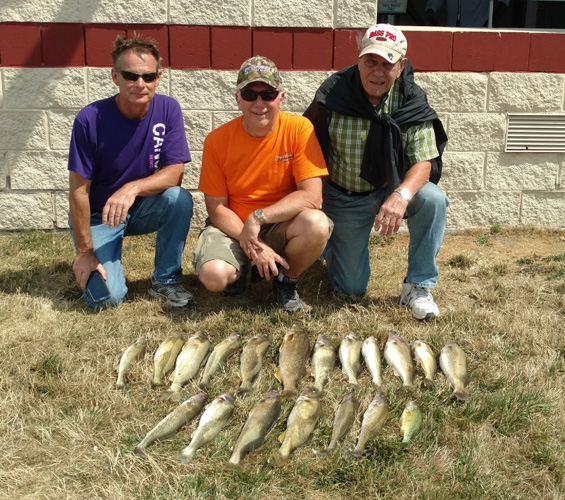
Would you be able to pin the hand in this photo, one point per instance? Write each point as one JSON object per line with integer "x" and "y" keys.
{"x": 390, "y": 215}
{"x": 266, "y": 260}
{"x": 116, "y": 209}
{"x": 83, "y": 267}
{"x": 249, "y": 236}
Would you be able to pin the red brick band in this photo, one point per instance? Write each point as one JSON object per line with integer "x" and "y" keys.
{"x": 304, "y": 49}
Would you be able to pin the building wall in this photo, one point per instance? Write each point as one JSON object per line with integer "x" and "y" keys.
{"x": 54, "y": 59}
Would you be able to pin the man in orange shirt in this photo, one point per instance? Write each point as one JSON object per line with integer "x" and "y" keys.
{"x": 262, "y": 182}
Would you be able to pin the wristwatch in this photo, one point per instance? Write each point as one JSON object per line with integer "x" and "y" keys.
{"x": 260, "y": 216}
{"x": 404, "y": 193}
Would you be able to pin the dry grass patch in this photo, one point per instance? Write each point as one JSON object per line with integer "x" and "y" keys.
{"x": 67, "y": 433}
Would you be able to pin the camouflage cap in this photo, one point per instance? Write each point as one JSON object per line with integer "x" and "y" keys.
{"x": 258, "y": 69}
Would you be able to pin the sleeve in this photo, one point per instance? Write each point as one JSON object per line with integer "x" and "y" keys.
{"x": 420, "y": 143}
{"x": 175, "y": 146}
{"x": 81, "y": 149}
{"x": 434, "y": 5}
{"x": 212, "y": 179}
{"x": 310, "y": 162}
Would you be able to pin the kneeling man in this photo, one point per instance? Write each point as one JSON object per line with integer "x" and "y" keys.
{"x": 262, "y": 180}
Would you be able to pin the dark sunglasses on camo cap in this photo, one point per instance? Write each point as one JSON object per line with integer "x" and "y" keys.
{"x": 130, "y": 76}
{"x": 266, "y": 95}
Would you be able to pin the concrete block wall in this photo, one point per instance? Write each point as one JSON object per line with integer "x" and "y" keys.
{"x": 54, "y": 59}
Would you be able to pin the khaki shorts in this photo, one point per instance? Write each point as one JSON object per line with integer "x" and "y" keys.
{"x": 214, "y": 244}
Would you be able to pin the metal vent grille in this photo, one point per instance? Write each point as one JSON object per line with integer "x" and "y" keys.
{"x": 535, "y": 133}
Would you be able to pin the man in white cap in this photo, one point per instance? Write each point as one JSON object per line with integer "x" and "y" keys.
{"x": 262, "y": 182}
{"x": 382, "y": 144}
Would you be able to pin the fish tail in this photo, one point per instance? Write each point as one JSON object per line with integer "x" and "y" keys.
{"x": 460, "y": 395}
{"x": 234, "y": 467}
{"x": 321, "y": 453}
{"x": 278, "y": 459}
{"x": 184, "y": 457}
{"x": 140, "y": 452}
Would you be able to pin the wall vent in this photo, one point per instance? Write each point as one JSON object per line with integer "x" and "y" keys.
{"x": 535, "y": 133}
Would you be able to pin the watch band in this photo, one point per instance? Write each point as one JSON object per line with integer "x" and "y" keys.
{"x": 260, "y": 216}
{"x": 404, "y": 193}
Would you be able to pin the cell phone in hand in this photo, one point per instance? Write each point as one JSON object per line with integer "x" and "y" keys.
{"x": 96, "y": 288}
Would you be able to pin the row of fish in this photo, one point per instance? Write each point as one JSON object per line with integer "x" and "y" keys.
{"x": 300, "y": 426}
{"x": 187, "y": 358}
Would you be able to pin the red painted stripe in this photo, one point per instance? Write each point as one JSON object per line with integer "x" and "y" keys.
{"x": 33, "y": 45}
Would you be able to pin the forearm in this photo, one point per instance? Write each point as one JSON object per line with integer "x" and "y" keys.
{"x": 291, "y": 205}
{"x": 416, "y": 177}
{"x": 160, "y": 181}
{"x": 226, "y": 220}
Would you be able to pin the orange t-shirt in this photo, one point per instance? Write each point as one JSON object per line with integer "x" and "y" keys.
{"x": 255, "y": 172}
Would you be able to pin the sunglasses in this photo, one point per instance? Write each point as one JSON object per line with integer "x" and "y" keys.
{"x": 130, "y": 76}
{"x": 266, "y": 95}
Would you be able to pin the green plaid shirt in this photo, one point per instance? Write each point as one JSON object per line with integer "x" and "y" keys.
{"x": 348, "y": 135}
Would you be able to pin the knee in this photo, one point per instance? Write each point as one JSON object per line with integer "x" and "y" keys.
{"x": 431, "y": 200}
{"x": 216, "y": 274}
{"x": 315, "y": 225}
{"x": 179, "y": 199}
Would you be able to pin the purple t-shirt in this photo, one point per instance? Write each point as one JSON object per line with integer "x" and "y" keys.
{"x": 110, "y": 150}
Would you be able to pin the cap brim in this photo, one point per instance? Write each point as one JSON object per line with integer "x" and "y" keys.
{"x": 245, "y": 83}
{"x": 390, "y": 55}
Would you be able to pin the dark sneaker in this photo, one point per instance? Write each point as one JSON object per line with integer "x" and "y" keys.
{"x": 173, "y": 294}
{"x": 286, "y": 295}
{"x": 238, "y": 287}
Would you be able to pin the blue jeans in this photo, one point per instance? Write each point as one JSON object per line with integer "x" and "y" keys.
{"x": 169, "y": 214}
{"x": 347, "y": 252}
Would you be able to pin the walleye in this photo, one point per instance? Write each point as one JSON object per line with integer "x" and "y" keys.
{"x": 373, "y": 419}
{"x": 259, "y": 423}
{"x": 167, "y": 427}
{"x": 251, "y": 360}
{"x": 410, "y": 421}
{"x": 299, "y": 426}
{"x": 350, "y": 357}
{"x": 372, "y": 357}
{"x": 130, "y": 355}
{"x": 323, "y": 362}
{"x": 212, "y": 421}
{"x": 188, "y": 363}
{"x": 226, "y": 348}
{"x": 397, "y": 355}
{"x": 453, "y": 364}
{"x": 165, "y": 357}
{"x": 424, "y": 356}
{"x": 344, "y": 417}
{"x": 294, "y": 352}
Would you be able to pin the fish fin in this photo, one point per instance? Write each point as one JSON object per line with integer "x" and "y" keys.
{"x": 281, "y": 437}
{"x": 183, "y": 458}
{"x": 278, "y": 459}
{"x": 321, "y": 453}
{"x": 278, "y": 374}
{"x": 232, "y": 467}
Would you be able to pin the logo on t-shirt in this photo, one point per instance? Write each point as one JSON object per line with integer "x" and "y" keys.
{"x": 285, "y": 157}
{"x": 158, "y": 139}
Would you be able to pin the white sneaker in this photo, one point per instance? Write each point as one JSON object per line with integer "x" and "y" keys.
{"x": 420, "y": 301}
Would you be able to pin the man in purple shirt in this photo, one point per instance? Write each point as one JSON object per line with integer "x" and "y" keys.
{"x": 126, "y": 162}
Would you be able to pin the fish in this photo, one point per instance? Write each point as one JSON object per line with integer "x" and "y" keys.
{"x": 350, "y": 357}
{"x": 300, "y": 425}
{"x": 372, "y": 357}
{"x": 373, "y": 420}
{"x": 424, "y": 356}
{"x": 258, "y": 424}
{"x": 397, "y": 355}
{"x": 130, "y": 355}
{"x": 294, "y": 352}
{"x": 410, "y": 421}
{"x": 343, "y": 420}
{"x": 251, "y": 361}
{"x": 216, "y": 415}
{"x": 171, "y": 424}
{"x": 453, "y": 364}
{"x": 226, "y": 348}
{"x": 323, "y": 361}
{"x": 165, "y": 357}
{"x": 188, "y": 363}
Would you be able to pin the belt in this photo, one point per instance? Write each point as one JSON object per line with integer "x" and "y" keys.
{"x": 346, "y": 191}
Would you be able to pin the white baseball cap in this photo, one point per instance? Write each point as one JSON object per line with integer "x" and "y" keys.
{"x": 386, "y": 41}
